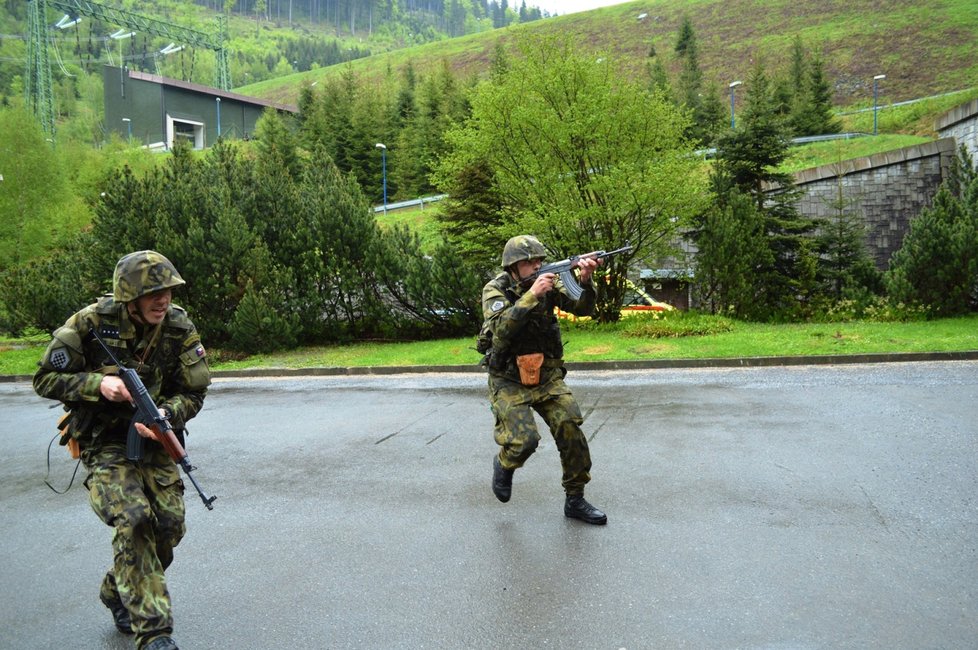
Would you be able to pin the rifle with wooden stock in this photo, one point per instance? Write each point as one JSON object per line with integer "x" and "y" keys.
{"x": 565, "y": 269}
{"x": 149, "y": 415}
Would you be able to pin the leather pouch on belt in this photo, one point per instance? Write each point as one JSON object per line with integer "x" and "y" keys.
{"x": 529, "y": 365}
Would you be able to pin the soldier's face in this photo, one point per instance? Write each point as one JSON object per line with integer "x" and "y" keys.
{"x": 152, "y": 307}
{"x": 526, "y": 268}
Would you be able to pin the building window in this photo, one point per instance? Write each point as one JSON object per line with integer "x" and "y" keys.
{"x": 178, "y": 130}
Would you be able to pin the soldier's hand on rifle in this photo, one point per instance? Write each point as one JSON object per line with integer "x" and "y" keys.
{"x": 543, "y": 285}
{"x": 145, "y": 431}
{"x": 114, "y": 389}
{"x": 586, "y": 267}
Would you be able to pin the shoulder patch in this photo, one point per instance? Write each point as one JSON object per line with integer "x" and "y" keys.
{"x": 59, "y": 358}
{"x": 496, "y": 306}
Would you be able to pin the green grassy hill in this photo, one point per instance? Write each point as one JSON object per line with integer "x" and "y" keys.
{"x": 925, "y": 47}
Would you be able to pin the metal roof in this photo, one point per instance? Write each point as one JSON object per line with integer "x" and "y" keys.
{"x": 209, "y": 90}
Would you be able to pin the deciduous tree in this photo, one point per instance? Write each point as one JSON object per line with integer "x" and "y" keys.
{"x": 580, "y": 157}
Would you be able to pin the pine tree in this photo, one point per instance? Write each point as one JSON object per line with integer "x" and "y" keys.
{"x": 749, "y": 157}
{"x": 690, "y": 84}
{"x": 686, "y": 39}
{"x": 343, "y": 255}
{"x": 937, "y": 265}
{"x": 847, "y": 271}
{"x": 732, "y": 254}
{"x": 434, "y": 289}
{"x": 752, "y": 153}
{"x": 658, "y": 79}
{"x": 45, "y": 291}
{"x": 472, "y": 215}
{"x": 259, "y": 325}
{"x": 811, "y": 104}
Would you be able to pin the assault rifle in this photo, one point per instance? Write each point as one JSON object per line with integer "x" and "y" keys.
{"x": 565, "y": 269}
{"x": 148, "y": 414}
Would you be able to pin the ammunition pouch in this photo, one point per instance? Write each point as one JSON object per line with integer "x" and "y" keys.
{"x": 483, "y": 342}
{"x": 497, "y": 361}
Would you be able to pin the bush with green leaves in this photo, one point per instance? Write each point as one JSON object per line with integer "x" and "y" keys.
{"x": 277, "y": 248}
{"x": 675, "y": 324}
{"x": 44, "y": 292}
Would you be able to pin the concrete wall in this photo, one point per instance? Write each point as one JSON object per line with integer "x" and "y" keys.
{"x": 887, "y": 189}
{"x": 961, "y": 123}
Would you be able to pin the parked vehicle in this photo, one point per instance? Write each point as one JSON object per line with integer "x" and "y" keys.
{"x": 636, "y": 301}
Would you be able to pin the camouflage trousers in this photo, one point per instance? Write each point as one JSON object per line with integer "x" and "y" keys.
{"x": 516, "y": 431}
{"x": 143, "y": 502}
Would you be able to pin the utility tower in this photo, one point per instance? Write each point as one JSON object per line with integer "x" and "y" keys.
{"x": 40, "y": 96}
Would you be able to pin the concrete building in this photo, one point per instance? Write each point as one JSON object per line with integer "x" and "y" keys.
{"x": 157, "y": 111}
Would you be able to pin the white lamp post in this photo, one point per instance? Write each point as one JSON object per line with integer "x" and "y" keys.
{"x": 876, "y": 81}
{"x": 733, "y": 84}
{"x": 383, "y": 162}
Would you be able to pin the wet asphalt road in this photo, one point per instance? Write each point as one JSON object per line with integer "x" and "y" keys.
{"x": 783, "y": 507}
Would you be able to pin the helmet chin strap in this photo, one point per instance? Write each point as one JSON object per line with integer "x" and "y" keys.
{"x": 135, "y": 314}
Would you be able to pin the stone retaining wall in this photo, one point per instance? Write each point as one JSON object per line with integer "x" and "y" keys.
{"x": 961, "y": 123}
{"x": 887, "y": 189}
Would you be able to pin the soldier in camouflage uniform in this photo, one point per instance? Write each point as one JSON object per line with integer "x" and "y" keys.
{"x": 526, "y": 371}
{"x": 141, "y": 500}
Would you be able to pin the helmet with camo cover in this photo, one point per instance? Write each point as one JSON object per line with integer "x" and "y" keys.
{"x": 143, "y": 272}
{"x": 522, "y": 247}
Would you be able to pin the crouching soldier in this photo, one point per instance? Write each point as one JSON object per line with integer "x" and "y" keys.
{"x": 142, "y": 500}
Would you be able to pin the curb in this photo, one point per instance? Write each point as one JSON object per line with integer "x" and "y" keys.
{"x": 650, "y": 364}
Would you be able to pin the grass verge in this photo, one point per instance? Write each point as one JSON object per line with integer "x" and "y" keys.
{"x": 639, "y": 338}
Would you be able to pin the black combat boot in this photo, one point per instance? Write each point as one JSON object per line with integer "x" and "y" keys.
{"x": 577, "y": 507}
{"x": 120, "y": 615}
{"x": 502, "y": 481}
{"x": 161, "y": 643}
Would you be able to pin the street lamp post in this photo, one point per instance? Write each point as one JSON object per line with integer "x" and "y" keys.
{"x": 733, "y": 84}
{"x": 218, "y": 99}
{"x": 128, "y": 127}
{"x": 876, "y": 81}
{"x": 383, "y": 162}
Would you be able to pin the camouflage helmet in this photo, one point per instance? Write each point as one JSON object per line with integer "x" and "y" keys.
{"x": 143, "y": 272}
{"x": 522, "y": 247}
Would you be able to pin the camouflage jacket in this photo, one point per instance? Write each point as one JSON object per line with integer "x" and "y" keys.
{"x": 174, "y": 369}
{"x": 520, "y": 323}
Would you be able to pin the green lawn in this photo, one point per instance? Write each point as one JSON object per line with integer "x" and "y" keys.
{"x": 636, "y": 339}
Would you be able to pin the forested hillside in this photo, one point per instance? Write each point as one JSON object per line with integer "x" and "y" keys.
{"x": 269, "y": 38}
{"x": 924, "y": 47}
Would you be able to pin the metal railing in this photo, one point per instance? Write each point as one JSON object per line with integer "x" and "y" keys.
{"x": 410, "y": 203}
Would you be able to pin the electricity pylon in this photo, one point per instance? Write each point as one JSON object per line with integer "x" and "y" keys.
{"x": 40, "y": 96}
